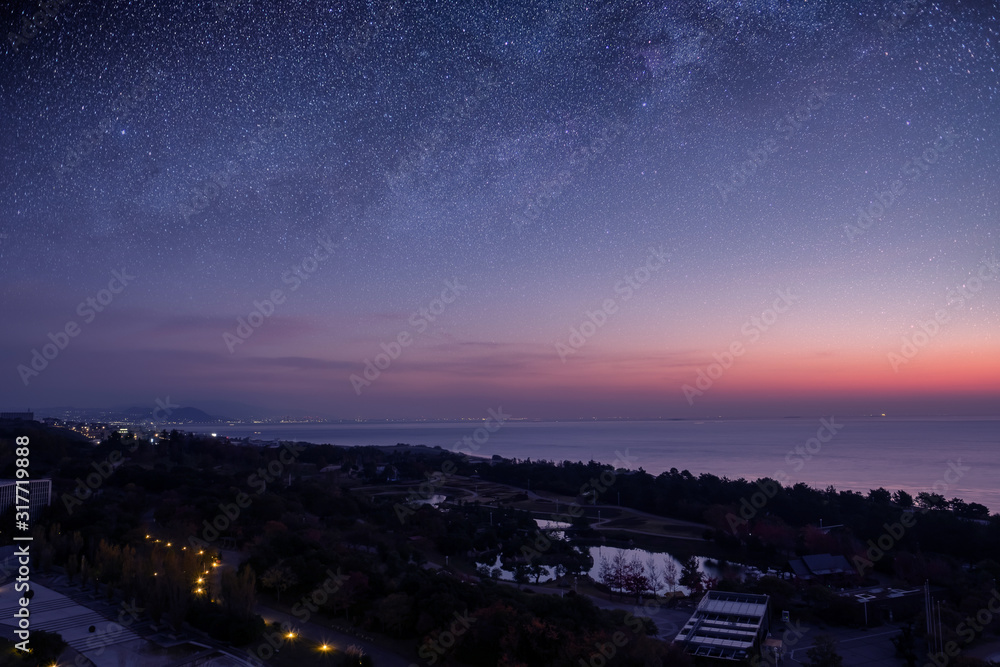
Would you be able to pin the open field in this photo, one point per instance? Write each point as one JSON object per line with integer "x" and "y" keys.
{"x": 620, "y": 523}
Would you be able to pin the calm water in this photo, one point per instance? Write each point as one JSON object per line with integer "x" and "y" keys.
{"x": 910, "y": 454}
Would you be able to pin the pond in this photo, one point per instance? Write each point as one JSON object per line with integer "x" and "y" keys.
{"x": 433, "y": 501}
{"x": 707, "y": 566}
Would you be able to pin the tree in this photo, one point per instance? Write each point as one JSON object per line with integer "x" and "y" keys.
{"x": 670, "y": 576}
{"x": 879, "y": 496}
{"x": 932, "y": 501}
{"x": 958, "y": 506}
{"x": 84, "y": 571}
{"x": 347, "y": 594}
{"x": 536, "y": 570}
{"x": 72, "y": 567}
{"x": 977, "y": 510}
{"x": 902, "y": 498}
{"x": 393, "y": 611}
{"x": 691, "y": 576}
{"x": 134, "y": 572}
{"x": 278, "y": 578}
{"x": 654, "y": 575}
{"x": 823, "y": 653}
{"x": 612, "y": 573}
{"x": 46, "y": 647}
{"x": 520, "y": 573}
{"x": 633, "y": 579}
{"x": 239, "y": 592}
{"x": 905, "y": 644}
{"x": 606, "y": 574}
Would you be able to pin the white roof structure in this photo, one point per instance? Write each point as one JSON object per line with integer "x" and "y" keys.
{"x": 725, "y": 625}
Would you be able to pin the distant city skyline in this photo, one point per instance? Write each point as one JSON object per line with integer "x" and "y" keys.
{"x": 566, "y": 209}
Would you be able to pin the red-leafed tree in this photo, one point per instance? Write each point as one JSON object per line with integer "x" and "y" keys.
{"x": 634, "y": 579}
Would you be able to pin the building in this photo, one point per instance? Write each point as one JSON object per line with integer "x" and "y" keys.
{"x": 39, "y": 495}
{"x": 827, "y": 568}
{"x": 18, "y": 416}
{"x": 727, "y": 626}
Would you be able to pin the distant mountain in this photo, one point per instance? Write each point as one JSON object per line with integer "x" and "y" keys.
{"x": 205, "y": 413}
{"x": 187, "y": 415}
{"x": 232, "y": 409}
{"x": 193, "y": 415}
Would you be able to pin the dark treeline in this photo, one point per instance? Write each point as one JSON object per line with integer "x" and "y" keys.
{"x": 133, "y": 531}
{"x": 147, "y": 530}
{"x": 764, "y": 515}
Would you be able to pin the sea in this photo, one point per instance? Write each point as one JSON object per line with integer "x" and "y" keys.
{"x": 958, "y": 457}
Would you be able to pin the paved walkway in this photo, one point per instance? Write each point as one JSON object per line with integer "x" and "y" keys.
{"x": 858, "y": 648}
{"x": 318, "y": 629}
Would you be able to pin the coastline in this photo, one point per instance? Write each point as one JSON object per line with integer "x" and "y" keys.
{"x": 895, "y": 453}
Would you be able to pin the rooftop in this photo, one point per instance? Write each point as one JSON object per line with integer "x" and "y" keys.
{"x": 725, "y": 625}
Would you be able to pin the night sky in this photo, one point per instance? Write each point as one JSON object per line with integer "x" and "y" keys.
{"x": 567, "y": 209}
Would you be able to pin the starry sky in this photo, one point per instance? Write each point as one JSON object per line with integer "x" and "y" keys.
{"x": 571, "y": 209}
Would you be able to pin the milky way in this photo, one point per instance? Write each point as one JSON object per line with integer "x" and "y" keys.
{"x": 294, "y": 185}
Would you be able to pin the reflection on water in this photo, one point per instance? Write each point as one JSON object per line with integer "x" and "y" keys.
{"x": 433, "y": 501}
{"x": 708, "y": 567}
